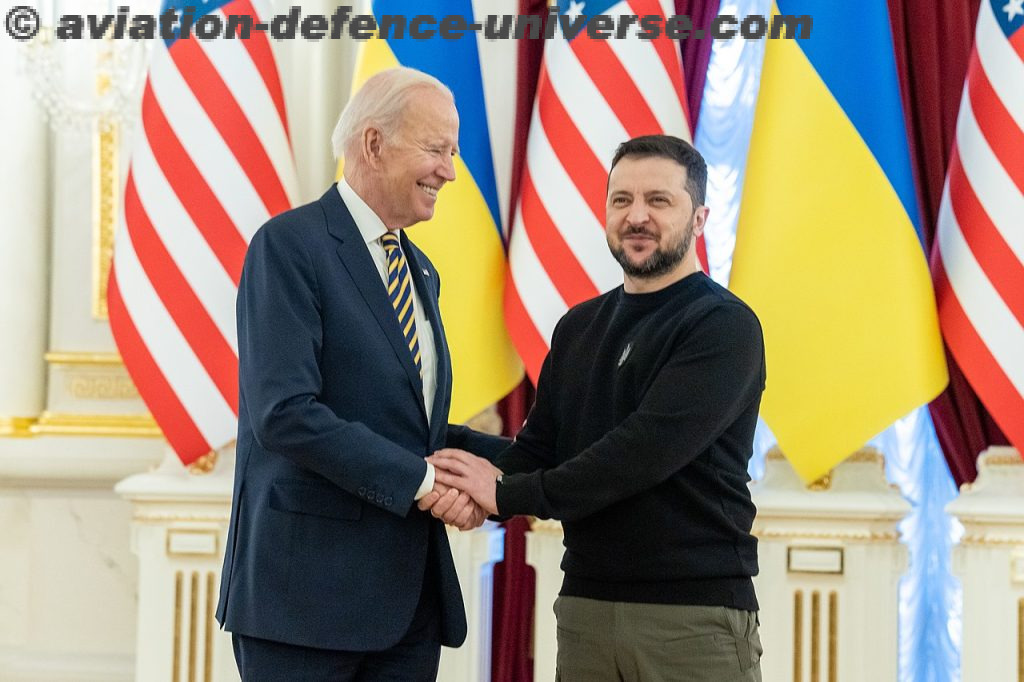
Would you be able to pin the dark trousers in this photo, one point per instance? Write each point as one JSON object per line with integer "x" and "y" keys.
{"x": 414, "y": 659}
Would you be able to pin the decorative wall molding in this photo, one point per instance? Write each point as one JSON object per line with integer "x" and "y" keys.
{"x": 96, "y": 425}
{"x": 16, "y": 427}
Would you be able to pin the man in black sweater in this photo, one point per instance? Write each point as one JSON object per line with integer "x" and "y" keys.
{"x": 639, "y": 441}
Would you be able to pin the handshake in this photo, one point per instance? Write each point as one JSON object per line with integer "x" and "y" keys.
{"x": 464, "y": 489}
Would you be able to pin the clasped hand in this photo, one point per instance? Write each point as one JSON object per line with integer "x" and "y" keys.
{"x": 464, "y": 489}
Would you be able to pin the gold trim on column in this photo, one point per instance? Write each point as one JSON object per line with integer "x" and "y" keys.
{"x": 176, "y": 635}
{"x": 106, "y": 177}
{"x": 862, "y": 456}
{"x": 1004, "y": 460}
{"x": 798, "y": 636}
{"x": 100, "y": 425}
{"x": 202, "y": 533}
{"x": 815, "y": 636}
{"x": 833, "y": 636}
{"x": 210, "y": 628}
{"x": 194, "y": 613}
{"x": 1020, "y": 640}
{"x": 821, "y": 484}
{"x": 16, "y": 427}
{"x": 82, "y": 358}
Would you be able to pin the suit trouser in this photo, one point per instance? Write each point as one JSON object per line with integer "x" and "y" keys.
{"x": 601, "y": 641}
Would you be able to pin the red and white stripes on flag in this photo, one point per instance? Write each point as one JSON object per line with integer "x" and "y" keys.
{"x": 210, "y": 163}
{"x": 592, "y": 95}
{"x": 979, "y": 257}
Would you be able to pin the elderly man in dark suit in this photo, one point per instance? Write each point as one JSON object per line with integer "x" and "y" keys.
{"x": 331, "y": 572}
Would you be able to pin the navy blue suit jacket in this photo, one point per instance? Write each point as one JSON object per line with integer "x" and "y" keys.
{"x": 326, "y": 547}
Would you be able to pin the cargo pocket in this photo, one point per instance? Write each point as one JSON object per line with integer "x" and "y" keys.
{"x": 748, "y": 640}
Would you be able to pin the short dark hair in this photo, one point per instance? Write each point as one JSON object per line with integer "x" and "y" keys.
{"x": 670, "y": 147}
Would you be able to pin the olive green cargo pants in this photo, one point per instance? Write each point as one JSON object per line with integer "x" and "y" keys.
{"x": 602, "y": 641}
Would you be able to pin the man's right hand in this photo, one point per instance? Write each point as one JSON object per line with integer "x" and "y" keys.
{"x": 452, "y": 506}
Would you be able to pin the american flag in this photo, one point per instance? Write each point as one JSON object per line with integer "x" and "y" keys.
{"x": 211, "y": 163}
{"x": 592, "y": 95}
{"x": 979, "y": 259}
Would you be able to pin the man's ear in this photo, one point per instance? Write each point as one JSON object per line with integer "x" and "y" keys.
{"x": 700, "y": 219}
{"x": 372, "y": 144}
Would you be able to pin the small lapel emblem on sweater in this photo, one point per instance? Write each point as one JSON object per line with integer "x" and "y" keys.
{"x": 625, "y": 353}
{"x": 426, "y": 273}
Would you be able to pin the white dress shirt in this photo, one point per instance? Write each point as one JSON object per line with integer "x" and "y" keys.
{"x": 372, "y": 228}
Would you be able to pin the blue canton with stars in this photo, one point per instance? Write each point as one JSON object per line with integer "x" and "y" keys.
{"x": 1009, "y": 14}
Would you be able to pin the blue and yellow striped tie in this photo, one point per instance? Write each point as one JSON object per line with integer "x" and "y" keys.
{"x": 400, "y": 292}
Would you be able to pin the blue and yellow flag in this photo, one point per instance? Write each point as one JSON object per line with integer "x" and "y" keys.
{"x": 464, "y": 238}
{"x": 828, "y": 250}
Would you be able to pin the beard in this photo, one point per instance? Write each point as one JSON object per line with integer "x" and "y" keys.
{"x": 663, "y": 260}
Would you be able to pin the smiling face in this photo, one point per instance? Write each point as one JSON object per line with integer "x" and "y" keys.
{"x": 651, "y": 221}
{"x": 415, "y": 162}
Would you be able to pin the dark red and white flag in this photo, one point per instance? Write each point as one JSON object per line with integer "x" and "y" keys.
{"x": 210, "y": 163}
{"x": 593, "y": 94}
{"x": 978, "y": 262}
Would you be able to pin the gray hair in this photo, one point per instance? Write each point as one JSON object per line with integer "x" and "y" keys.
{"x": 380, "y": 103}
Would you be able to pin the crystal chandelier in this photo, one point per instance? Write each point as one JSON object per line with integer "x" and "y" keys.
{"x": 81, "y": 84}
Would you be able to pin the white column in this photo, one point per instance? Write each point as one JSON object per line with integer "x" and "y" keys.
{"x": 475, "y": 553}
{"x": 830, "y": 565}
{"x": 990, "y": 564}
{"x": 23, "y": 246}
{"x": 544, "y": 552}
{"x": 179, "y": 529}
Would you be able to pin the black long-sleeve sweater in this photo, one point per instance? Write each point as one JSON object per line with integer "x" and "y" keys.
{"x": 639, "y": 441}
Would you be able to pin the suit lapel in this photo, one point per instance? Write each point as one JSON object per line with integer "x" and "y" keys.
{"x": 426, "y": 287}
{"x": 357, "y": 260}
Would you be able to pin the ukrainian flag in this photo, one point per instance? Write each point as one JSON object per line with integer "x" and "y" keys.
{"x": 829, "y": 249}
{"x": 464, "y": 238}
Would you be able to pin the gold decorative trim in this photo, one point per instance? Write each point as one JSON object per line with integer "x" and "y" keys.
{"x": 1020, "y": 640}
{"x": 821, "y": 484}
{"x": 176, "y": 532}
{"x": 815, "y": 636}
{"x": 1003, "y": 460}
{"x": 852, "y": 535}
{"x": 106, "y": 178}
{"x": 165, "y": 517}
{"x": 98, "y": 425}
{"x": 798, "y": 636}
{"x": 986, "y": 539}
{"x": 204, "y": 464}
{"x": 83, "y": 358}
{"x": 833, "y": 636}
{"x": 867, "y": 455}
{"x": 834, "y": 551}
{"x": 193, "y": 623}
{"x": 210, "y": 628}
{"x": 16, "y": 427}
{"x": 176, "y": 635}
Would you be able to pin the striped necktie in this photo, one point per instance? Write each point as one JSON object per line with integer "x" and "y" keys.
{"x": 400, "y": 292}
